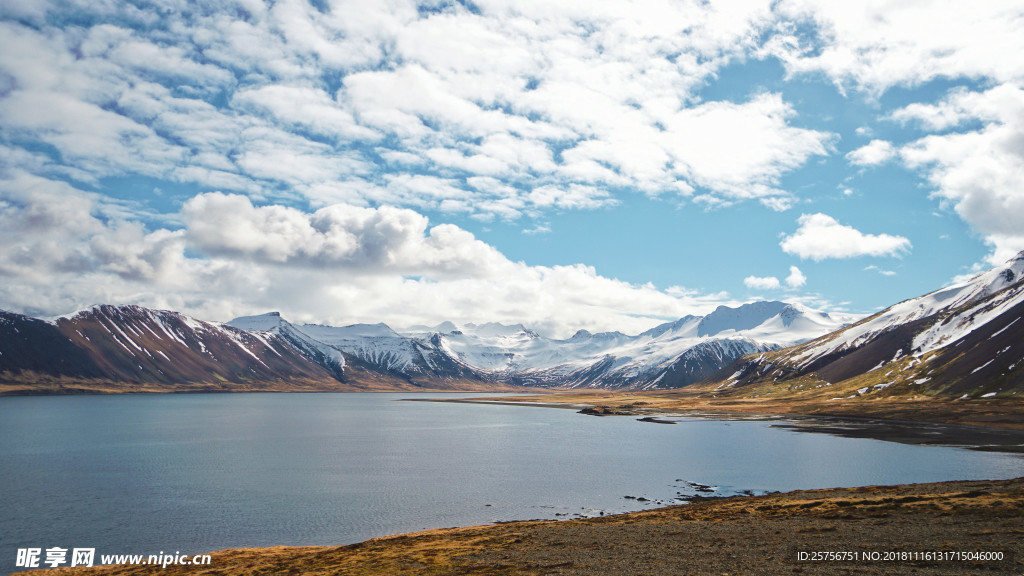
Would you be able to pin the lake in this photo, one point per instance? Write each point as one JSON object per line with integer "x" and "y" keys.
{"x": 141, "y": 474}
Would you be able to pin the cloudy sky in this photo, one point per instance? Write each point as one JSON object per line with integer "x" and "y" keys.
{"x": 599, "y": 165}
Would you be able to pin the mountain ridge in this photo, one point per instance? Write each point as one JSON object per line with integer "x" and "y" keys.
{"x": 146, "y": 348}
{"x": 963, "y": 340}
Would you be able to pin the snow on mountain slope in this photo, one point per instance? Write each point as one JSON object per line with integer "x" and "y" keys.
{"x": 931, "y": 305}
{"x": 310, "y": 347}
{"x": 670, "y": 355}
{"x": 615, "y": 359}
{"x": 136, "y": 344}
{"x": 371, "y": 349}
{"x": 376, "y": 344}
{"x": 964, "y": 339}
{"x": 745, "y": 317}
{"x": 795, "y": 324}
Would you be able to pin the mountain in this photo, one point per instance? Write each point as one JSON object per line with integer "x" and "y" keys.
{"x": 114, "y": 347}
{"x": 130, "y": 348}
{"x": 135, "y": 344}
{"x": 379, "y": 347}
{"x": 965, "y": 340}
{"x": 671, "y": 355}
{"x": 366, "y": 352}
{"x": 28, "y": 345}
{"x": 314, "y": 350}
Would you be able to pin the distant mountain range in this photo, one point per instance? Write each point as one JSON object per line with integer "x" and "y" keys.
{"x": 137, "y": 348}
{"x": 961, "y": 340}
{"x": 667, "y": 356}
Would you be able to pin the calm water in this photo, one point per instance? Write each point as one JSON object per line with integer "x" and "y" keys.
{"x": 194, "y": 473}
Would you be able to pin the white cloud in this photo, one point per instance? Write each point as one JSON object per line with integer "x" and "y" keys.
{"x": 370, "y": 240}
{"x": 796, "y": 278}
{"x": 881, "y": 271}
{"x": 740, "y": 150}
{"x": 575, "y": 196}
{"x": 962, "y": 105}
{"x": 878, "y": 45}
{"x": 762, "y": 282}
{"x": 978, "y": 171}
{"x": 62, "y": 249}
{"x": 820, "y": 236}
{"x": 778, "y": 203}
{"x": 538, "y": 229}
{"x": 872, "y": 154}
{"x": 542, "y": 96}
{"x": 305, "y": 107}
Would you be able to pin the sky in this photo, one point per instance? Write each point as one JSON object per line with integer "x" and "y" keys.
{"x": 565, "y": 165}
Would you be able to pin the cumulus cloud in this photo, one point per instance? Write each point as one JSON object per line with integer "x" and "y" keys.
{"x": 876, "y": 46}
{"x": 820, "y": 236}
{"x": 796, "y": 278}
{"x": 385, "y": 239}
{"x": 977, "y": 171}
{"x": 762, "y": 282}
{"x": 872, "y": 154}
{"x": 62, "y": 249}
{"x": 371, "y": 111}
{"x": 322, "y": 103}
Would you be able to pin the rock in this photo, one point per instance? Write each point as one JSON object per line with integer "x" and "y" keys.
{"x": 603, "y": 411}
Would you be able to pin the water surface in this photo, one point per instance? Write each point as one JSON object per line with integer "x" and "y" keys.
{"x": 140, "y": 474}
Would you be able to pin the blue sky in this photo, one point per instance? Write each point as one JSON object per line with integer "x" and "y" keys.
{"x": 564, "y": 165}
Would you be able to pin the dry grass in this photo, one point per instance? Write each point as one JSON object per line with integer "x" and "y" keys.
{"x": 996, "y": 412}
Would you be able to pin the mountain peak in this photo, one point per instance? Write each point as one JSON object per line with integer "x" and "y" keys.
{"x": 263, "y": 322}
{"x": 744, "y": 317}
{"x": 445, "y": 327}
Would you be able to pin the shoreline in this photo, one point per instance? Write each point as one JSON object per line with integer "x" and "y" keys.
{"x": 732, "y": 535}
{"x": 920, "y": 433}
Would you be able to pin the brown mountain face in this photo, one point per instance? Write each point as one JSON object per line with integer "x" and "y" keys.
{"x": 110, "y": 349}
{"x": 132, "y": 344}
{"x": 28, "y": 345}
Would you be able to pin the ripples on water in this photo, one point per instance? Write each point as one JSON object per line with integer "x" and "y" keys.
{"x": 141, "y": 474}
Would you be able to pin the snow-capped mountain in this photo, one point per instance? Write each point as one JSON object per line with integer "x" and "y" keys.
{"x": 671, "y": 355}
{"x": 363, "y": 348}
{"x": 319, "y": 352}
{"x": 131, "y": 344}
{"x": 965, "y": 339}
